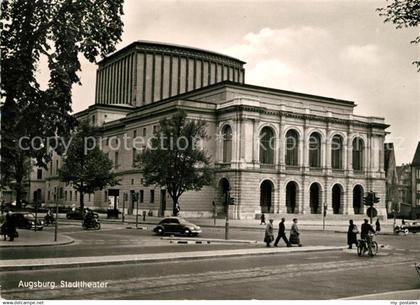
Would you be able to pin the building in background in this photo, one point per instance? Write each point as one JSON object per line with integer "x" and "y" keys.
{"x": 415, "y": 184}
{"x": 275, "y": 151}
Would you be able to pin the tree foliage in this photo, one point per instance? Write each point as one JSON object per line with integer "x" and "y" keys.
{"x": 85, "y": 165}
{"x": 60, "y": 30}
{"x": 175, "y": 160}
{"x": 404, "y": 14}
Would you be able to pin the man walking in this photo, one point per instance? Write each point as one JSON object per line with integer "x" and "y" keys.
{"x": 281, "y": 234}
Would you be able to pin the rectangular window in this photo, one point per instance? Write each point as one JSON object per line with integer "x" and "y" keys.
{"x": 75, "y": 195}
{"x": 134, "y": 155}
{"x": 134, "y": 133}
{"x": 49, "y": 195}
{"x": 65, "y": 195}
{"x": 89, "y": 197}
{"x": 144, "y": 131}
{"x": 152, "y": 196}
{"x": 71, "y": 195}
{"x": 39, "y": 174}
{"x": 141, "y": 196}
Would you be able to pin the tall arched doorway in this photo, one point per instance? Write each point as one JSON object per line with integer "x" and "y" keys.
{"x": 337, "y": 199}
{"x": 291, "y": 197}
{"x": 266, "y": 197}
{"x": 358, "y": 199}
{"x": 223, "y": 190}
{"x": 315, "y": 198}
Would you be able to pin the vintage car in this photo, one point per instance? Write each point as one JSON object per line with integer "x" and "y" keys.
{"x": 408, "y": 227}
{"x": 77, "y": 214}
{"x": 27, "y": 221}
{"x": 177, "y": 225}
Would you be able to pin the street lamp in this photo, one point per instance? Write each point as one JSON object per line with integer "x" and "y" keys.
{"x": 324, "y": 215}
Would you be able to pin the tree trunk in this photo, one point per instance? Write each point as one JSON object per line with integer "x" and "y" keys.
{"x": 81, "y": 199}
{"x": 174, "y": 205}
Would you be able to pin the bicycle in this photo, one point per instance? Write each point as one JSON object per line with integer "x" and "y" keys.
{"x": 367, "y": 245}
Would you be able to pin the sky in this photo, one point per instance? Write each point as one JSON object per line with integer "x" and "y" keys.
{"x": 339, "y": 49}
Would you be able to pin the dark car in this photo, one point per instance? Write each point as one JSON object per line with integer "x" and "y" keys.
{"x": 408, "y": 227}
{"x": 177, "y": 225}
{"x": 77, "y": 214}
{"x": 27, "y": 221}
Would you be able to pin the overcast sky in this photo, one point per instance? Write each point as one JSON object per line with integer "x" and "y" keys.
{"x": 337, "y": 48}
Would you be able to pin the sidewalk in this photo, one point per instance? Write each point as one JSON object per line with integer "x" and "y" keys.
{"x": 29, "y": 238}
{"x": 310, "y": 225}
{"x": 71, "y": 262}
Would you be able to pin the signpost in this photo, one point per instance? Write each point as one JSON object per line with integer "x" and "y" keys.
{"x": 324, "y": 216}
{"x": 230, "y": 201}
{"x": 370, "y": 200}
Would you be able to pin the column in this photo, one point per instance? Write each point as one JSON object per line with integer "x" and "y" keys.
{"x": 255, "y": 136}
{"x": 281, "y": 145}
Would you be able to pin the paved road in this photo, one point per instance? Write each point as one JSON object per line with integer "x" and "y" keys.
{"x": 323, "y": 275}
{"x": 115, "y": 239}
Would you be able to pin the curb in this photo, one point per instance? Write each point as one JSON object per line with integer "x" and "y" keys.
{"x": 59, "y": 243}
{"x": 210, "y": 240}
{"x": 164, "y": 257}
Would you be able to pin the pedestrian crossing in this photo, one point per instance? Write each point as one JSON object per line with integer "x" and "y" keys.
{"x": 144, "y": 286}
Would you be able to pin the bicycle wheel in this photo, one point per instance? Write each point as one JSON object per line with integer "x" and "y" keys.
{"x": 359, "y": 249}
{"x": 374, "y": 248}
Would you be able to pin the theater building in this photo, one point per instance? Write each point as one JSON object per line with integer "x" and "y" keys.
{"x": 275, "y": 151}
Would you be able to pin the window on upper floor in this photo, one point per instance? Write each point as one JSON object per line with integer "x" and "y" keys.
{"x": 152, "y": 196}
{"x": 116, "y": 159}
{"x": 39, "y": 174}
{"x": 144, "y": 131}
{"x": 337, "y": 152}
{"x": 357, "y": 152}
{"x": 227, "y": 143}
{"x": 267, "y": 144}
{"x": 315, "y": 150}
{"x": 292, "y": 147}
{"x": 141, "y": 196}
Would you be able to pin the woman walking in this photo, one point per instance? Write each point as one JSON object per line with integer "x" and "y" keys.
{"x": 269, "y": 233}
{"x": 352, "y": 234}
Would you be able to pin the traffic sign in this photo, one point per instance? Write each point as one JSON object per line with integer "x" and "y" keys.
{"x": 371, "y": 212}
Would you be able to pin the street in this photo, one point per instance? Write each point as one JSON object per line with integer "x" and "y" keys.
{"x": 304, "y": 275}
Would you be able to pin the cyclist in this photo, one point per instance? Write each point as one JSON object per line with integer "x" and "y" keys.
{"x": 366, "y": 228}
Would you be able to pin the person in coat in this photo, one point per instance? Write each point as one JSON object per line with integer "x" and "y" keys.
{"x": 10, "y": 226}
{"x": 262, "y": 219}
{"x": 378, "y": 225}
{"x": 281, "y": 234}
{"x": 294, "y": 234}
{"x": 352, "y": 234}
{"x": 366, "y": 229}
{"x": 269, "y": 233}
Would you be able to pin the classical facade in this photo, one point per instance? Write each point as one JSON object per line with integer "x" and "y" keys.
{"x": 274, "y": 151}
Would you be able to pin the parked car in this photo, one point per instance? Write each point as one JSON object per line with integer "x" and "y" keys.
{"x": 177, "y": 225}
{"x": 77, "y": 214}
{"x": 412, "y": 227}
{"x": 27, "y": 221}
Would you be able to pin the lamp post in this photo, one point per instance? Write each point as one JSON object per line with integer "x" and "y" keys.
{"x": 324, "y": 215}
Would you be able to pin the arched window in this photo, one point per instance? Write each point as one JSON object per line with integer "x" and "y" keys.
{"x": 358, "y": 148}
{"x": 292, "y": 142}
{"x": 227, "y": 143}
{"x": 337, "y": 152}
{"x": 315, "y": 150}
{"x": 267, "y": 143}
